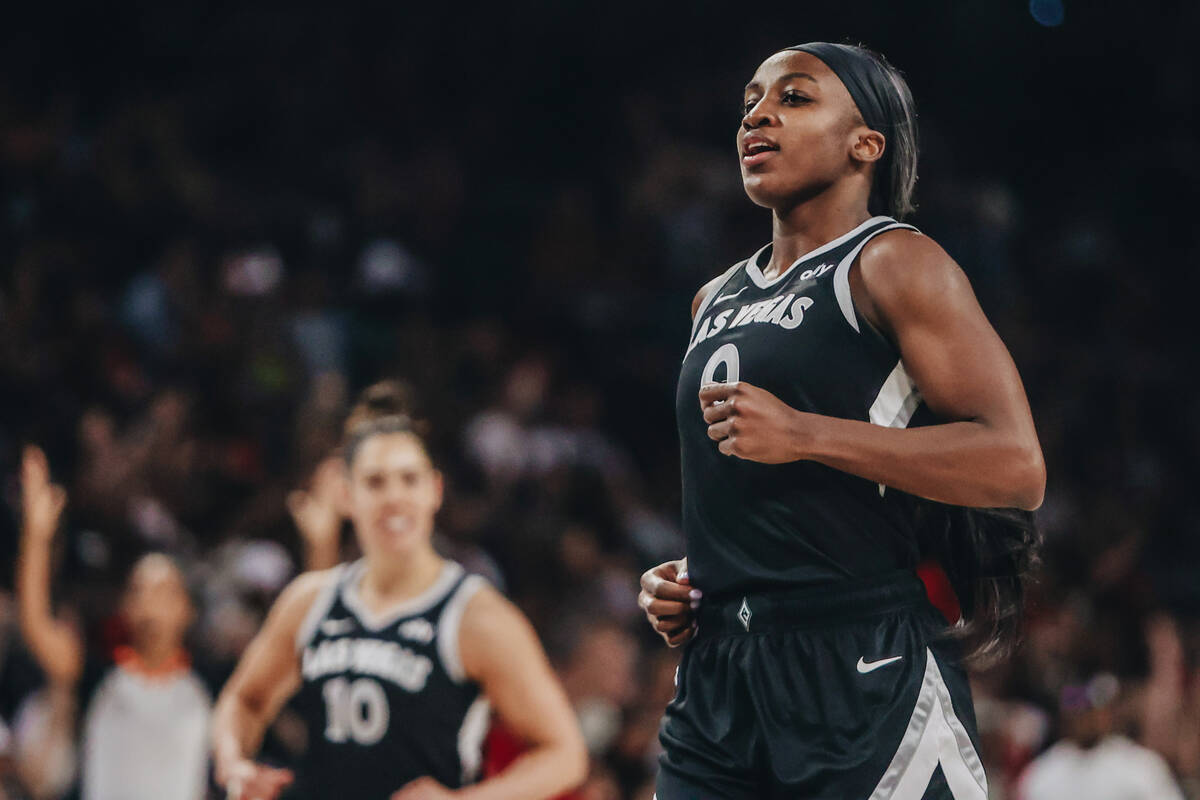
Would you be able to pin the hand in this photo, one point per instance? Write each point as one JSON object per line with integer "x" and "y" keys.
{"x": 670, "y": 602}
{"x": 247, "y": 780}
{"x": 423, "y": 789}
{"x": 751, "y": 423}
{"x": 42, "y": 502}
{"x": 317, "y": 512}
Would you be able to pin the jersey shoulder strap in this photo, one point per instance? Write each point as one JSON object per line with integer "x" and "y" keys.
{"x": 841, "y": 275}
{"x": 449, "y": 623}
{"x": 321, "y": 605}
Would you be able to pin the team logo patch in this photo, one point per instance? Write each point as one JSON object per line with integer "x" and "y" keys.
{"x": 744, "y": 614}
{"x": 417, "y": 630}
{"x": 336, "y": 627}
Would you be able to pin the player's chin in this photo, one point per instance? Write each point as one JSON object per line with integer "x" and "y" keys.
{"x": 765, "y": 189}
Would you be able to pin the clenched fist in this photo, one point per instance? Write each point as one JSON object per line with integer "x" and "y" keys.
{"x": 751, "y": 423}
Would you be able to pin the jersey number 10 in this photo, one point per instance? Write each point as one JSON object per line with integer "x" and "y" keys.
{"x": 357, "y": 710}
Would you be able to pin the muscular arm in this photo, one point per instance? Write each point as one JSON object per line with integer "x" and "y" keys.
{"x": 987, "y": 455}
{"x": 267, "y": 675}
{"x": 501, "y": 651}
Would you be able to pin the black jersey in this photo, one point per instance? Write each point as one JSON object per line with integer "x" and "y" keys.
{"x": 384, "y": 695}
{"x": 753, "y": 526}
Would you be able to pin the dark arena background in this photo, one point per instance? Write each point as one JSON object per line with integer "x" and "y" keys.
{"x": 217, "y": 224}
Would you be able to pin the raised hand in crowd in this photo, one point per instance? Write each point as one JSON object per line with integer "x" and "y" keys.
{"x": 57, "y": 645}
{"x": 318, "y": 513}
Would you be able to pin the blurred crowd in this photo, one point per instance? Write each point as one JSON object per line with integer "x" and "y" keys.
{"x": 215, "y": 230}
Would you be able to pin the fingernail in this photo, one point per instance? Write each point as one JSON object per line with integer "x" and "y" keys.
{"x": 695, "y": 604}
{"x": 683, "y": 576}
{"x": 695, "y": 594}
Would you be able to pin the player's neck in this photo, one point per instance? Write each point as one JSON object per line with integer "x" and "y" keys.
{"x": 387, "y": 581}
{"x": 808, "y": 225}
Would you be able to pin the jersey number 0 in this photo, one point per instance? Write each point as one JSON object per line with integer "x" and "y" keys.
{"x": 726, "y": 354}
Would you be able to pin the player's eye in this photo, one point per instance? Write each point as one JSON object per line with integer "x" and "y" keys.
{"x": 748, "y": 105}
{"x": 795, "y": 99}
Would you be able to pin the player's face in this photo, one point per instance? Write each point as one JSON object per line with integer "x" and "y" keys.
{"x": 394, "y": 494}
{"x": 156, "y": 604}
{"x": 798, "y": 130}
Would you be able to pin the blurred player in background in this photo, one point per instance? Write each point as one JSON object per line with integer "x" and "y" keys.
{"x": 832, "y": 379}
{"x": 396, "y": 658}
{"x": 145, "y": 729}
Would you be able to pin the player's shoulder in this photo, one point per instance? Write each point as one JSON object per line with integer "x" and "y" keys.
{"x": 485, "y": 605}
{"x": 298, "y": 597}
{"x": 906, "y": 263}
{"x": 492, "y": 620}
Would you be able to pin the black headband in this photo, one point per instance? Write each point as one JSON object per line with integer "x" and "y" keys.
{"x": 862, "y": 77}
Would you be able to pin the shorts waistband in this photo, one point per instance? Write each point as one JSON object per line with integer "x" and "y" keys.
{"x": 820, "y": 605}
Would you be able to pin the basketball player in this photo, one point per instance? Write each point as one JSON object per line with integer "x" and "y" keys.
{"x": 842, "y": 402}
{"x": 396, "y": 659}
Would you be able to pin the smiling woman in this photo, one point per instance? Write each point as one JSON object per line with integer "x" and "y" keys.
{"x": 400, "y": 637}
{"x": 845, "y": 410}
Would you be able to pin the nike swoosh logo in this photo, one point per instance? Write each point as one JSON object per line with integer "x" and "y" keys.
{"x": 724, "y": 297}
{"x": 870, "y": 666}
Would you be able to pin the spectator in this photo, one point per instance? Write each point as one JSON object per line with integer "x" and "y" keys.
{"x": 1093, "y": 760}
{"x": 145, "y": 726}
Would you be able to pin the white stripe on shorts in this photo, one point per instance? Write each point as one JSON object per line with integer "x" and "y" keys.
{"x": 934, "y": 736}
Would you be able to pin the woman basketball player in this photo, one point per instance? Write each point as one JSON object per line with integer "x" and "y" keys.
{"x": 396, "y": 658}
{"x": 844, "y": 407}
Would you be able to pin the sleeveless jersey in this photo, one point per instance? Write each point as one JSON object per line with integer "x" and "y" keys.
{"x": 385, "y": 695}
{"x": 752, "y": 526}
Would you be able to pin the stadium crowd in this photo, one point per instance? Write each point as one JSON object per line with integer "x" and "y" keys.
{"x": 216, "y": 231}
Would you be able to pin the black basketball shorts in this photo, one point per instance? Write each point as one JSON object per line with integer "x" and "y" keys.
{"x": 848, "y": 693}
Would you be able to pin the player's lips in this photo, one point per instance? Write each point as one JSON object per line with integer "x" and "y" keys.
{"x": 757, "y": 149}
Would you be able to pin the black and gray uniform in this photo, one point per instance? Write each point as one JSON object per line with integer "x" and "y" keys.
{"x": 819, "y": 670}
{"x": 384, "y": 694}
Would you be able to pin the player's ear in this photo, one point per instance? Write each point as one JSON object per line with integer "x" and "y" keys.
{"x": 866, "y": 145}
{"x": 439, "y": 489}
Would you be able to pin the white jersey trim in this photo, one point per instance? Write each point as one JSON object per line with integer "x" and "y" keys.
{"x": 897, "y": 400}
{"x": 841, "y": 276}
{"x": 934, "y": 736}
{"x": 376, "y": 621}
{"x": 708, "y": 299}
{"x": 470, "y": 739}
{"x": 319, "y": 608}
{"x": 755, "y": 271}
{"x": 449, "y": 624}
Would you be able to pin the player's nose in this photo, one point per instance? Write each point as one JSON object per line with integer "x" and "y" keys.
{"x": 756, "y": 117}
